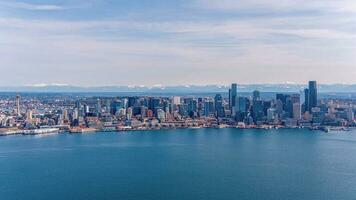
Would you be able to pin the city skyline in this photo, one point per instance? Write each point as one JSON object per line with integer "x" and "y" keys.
{"x": 175, "y": 42}
{"x": 37, "y": 114}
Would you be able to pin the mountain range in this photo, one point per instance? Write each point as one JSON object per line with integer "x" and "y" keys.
{"x": 323, "y": 88}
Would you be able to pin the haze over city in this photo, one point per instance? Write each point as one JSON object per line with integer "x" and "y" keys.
{"x": 141, "y": 42}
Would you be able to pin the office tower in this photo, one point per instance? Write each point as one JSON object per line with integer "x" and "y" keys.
{"x": 129, "y": 113}
{"x": 219, "y": 107}
{"x": 271, "y": 114}
{"x": 176, "y": 100}
{"x": 282, "y": 98}
{"x": 29, "y": 115}
{"x": 200, "y": 107}
{"x": 232, "y": 95}
{"x": 350, "y": 114}
{"x": 294, "y": 106}
{"x": 143, "y": 111}
{"x": 256, "y": 95}
{"x": 286, "y": 101}
{"x": 183, "y": 110}
{"x": 124, "y": 103}
{"x": 154, "y": 104}
{"x": 288, "y": 107}
{"x": 313, "y": 95}
{"x": 208, "y": 107}
{"x": 18, "y": 112}
{"x": 107, "y": 105}
{"x": 240, "y": 109}
{"x": 64, "y": 113}
{"x": 75, "y": 114}
{"x": 295, "y": 98}
{"x": 131, "y": 101}
{"x": 86, "y": 109}
{"x": 161, "y": 115}
{"x": 230, "y": 99}
{"x": 192, "y": 104}
{"x": 116, "y": 106}
{"x": 98, "y": 107}
{"x": 257, "y": 110}
{"x": 306, "y": 99}
{"x": 241, "y": 104}
{"x": 166, "y": 107}
{"x": 297, "y": 111}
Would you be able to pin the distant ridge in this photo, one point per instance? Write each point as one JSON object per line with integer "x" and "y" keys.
{"x": 330, "y": 88}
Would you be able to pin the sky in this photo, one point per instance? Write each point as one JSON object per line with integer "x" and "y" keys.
{"x": 176, "y": 42}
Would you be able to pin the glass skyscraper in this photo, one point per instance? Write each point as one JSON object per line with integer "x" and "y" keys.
{"x": 313, "y": 95}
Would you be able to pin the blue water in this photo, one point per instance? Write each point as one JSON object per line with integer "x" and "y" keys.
{"x": 180, "y": 164}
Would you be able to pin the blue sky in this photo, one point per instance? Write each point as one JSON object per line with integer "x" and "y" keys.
{"x": 177, "y": 42}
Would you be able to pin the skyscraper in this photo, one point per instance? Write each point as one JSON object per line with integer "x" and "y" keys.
{"x": 313, "y": 95}
{"x": 232, "y": 95}
{"x": 219, "y": 107}
{"x": 296, "y": 111}
{"x": 176, "y": 100}
{"x": 306, "y": 100}
{"x": 256, "y": 95}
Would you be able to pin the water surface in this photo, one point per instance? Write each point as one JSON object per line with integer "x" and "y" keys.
{"x": 180, "y": 164}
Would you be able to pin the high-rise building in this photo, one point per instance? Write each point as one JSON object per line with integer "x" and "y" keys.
{"x": 297, "y": 111}
{"x": 232, "y": 95}
{"x": 161, "y": 115}
{"x": 18, "y": 111}
{"x": 192, "y": 106}
{"x": 295, "y": 106}
{"x": 107, "y": 105}
{"x": 132, "y": 101}
{"x": 306, "y": 100}
{"x": 219, "y": 107}
{"x": 29, "y": 115}
{"x": 257, "y": 110}
{"x": 241, "y": 104}
{"x": 256, "y": 95}
{"x": 350, "y": 114}
{"x": 98, "y": 107}
{"x": 208, "y": 107}
{"x": 176, "y": 100}
{"x": 271, "y": 114}
{"x": 313, "y": 95}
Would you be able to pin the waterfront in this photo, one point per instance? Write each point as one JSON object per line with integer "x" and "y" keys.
{"x": 180, "y": 164}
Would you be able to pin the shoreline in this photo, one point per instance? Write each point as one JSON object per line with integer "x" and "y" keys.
{"x": 35, "y": 132}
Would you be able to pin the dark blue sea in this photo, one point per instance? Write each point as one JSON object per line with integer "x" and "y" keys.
{"x": 180, "y": 165}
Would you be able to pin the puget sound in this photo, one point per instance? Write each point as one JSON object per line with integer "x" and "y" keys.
{"x": 180, "y": 164}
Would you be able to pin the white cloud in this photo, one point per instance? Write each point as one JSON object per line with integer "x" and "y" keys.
{"x": 29, "y": 6}
{"x": 278, "y": 5}
{"x": 266, "y": 49}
